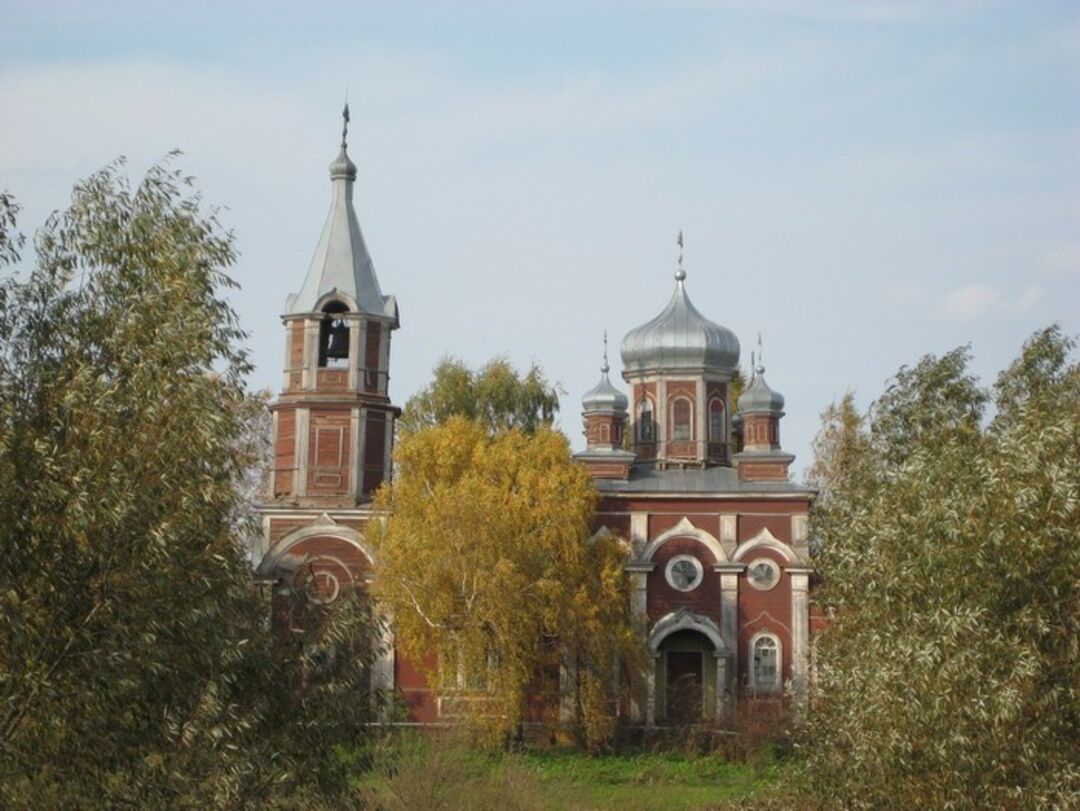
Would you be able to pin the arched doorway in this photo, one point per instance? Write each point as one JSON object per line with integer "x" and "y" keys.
{"x": 687, "y": 676}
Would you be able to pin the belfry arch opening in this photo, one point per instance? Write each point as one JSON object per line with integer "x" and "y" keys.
{"x": 334, "y": 336}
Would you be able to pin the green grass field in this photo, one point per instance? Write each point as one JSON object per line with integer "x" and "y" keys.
{"x": 437, "y": 774}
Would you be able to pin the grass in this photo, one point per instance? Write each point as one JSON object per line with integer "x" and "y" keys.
{"x": 438, "y": 773}
{"x": 642, "y": 781}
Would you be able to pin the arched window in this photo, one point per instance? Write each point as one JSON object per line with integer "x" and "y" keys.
{"x": 646, "y": 426}
{"x": 334, "y": 336}
{"x": 716, "y": 420}
{"x": 765, "y": 662}
{"x": 681, "y": 420}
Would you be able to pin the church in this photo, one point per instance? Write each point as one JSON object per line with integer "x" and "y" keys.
{"x": 696, "y": 483}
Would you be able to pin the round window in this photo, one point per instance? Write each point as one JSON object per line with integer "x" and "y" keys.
{"x": 763, "y": 574}
{"x": 684, "y": 572}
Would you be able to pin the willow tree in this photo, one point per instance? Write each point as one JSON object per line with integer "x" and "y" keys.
{"x": 135, "y": 666}
{"x": 486, "y": 560}
{"x": 950, "y": 675}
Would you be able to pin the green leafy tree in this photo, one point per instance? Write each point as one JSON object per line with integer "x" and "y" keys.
{"x": 136, "y": 668}
{"x": 949, "y": 675}
{"x": 495, "y": 395}
{"x": 840, "y": 449}
{"x": 485, "y": 560}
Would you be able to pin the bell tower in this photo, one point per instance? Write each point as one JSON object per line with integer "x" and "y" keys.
{"x": 333, "y": 423}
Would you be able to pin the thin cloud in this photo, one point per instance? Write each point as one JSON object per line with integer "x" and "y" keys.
{"x": 975, "y": 301}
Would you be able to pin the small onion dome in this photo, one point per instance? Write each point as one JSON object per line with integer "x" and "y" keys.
{"x": 759, "y": 398}
{"x": 604, "y": 397}
{"x": 680, "y": 338}
{"x": 343, "y": 166}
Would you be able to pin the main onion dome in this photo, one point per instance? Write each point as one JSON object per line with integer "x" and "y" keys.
{"x": 680, "y": 339}
{"x": 758, "y": 398}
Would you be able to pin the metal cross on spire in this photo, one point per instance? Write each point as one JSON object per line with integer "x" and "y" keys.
{"x": 345, "y": 124}
{"x": 680, "y": 274}
{"x": 605, "y": 368}
{"x": 760, "y": 352}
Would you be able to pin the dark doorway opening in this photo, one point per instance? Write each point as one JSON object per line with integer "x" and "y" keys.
{"x": 684, "y": 686}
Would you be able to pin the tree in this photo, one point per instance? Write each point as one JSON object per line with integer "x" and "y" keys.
{"x": 839, "y": 449}
{"x": 738, "y": 386}
{"x": 135, "y": 663}
{"x": 485, "y": 560}
{"x": 495, "y": 395}
{"x": 949, "y": 676}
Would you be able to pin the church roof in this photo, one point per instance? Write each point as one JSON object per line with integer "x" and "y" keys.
{"x": 341, "y": 264}
{"x": 679, "y": 338}
{"x": 645, "y": 479}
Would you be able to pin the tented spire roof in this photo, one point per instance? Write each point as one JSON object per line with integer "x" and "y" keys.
{"x": 341, "y": 264}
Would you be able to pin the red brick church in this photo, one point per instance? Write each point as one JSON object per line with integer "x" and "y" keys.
{"x": 717, "y": 534}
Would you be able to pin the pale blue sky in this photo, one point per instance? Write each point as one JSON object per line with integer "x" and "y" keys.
{"x": 862, "y": 182}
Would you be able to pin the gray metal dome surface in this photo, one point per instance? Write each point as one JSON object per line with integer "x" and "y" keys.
{"x": 604, "y": 396}
{"x": 342, "y": 166}
{"x": 758, "y": 397}
{"x": 679, "y": 338}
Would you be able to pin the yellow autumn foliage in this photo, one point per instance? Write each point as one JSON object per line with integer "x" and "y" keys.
{"x": 485, "y": 559}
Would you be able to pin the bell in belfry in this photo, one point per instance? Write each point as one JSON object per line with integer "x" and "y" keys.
{"x": 337, "y": 342}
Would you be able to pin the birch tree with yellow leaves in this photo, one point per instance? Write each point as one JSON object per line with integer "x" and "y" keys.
{"x": 486, "y": 560}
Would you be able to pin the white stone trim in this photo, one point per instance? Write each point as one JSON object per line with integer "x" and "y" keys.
{"x": 383, "y": 373}
{"x": 765, "y": 540}
{"x": 721, "y": 696}
{"x": 323, "y": 526}
{"x": 264, "y": 540}
{"x": 685, "y": 620}
{"x": 686, "y": 529}
{"x": 271, "y": 484}
{"x": 703, "y": 438}
{"x": 388, "y": 446}
{"x": 355, "y": 470}
{"x": 303, "y": 431}
{"x": 800, "y": 632}
{"x": 361, "y": 446}
{"x": 308, "y": 377}
{"x": 661, "y": 437}
{"x": 764, "y": 616}
{"x": 639, "y": 532}
{"x": 729, "y": 526}
{"x": 335, "y": 295}
{"x": 729, "y": 615}
{"x": 287, "y": 365}
{"x": 382, "y": 675}
{"x": 352, "y": 381}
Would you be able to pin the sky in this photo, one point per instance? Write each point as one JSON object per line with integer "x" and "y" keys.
{"x": 863, "y": 183}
